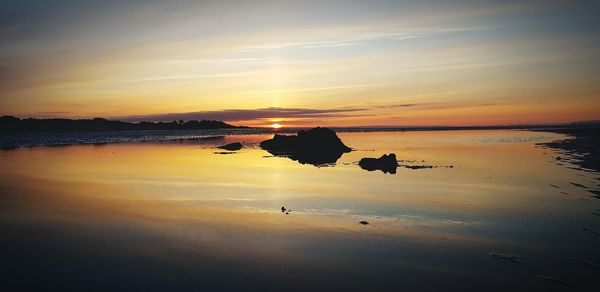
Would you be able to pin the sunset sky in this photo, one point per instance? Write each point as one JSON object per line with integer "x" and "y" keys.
{"x": 303, "y": 63}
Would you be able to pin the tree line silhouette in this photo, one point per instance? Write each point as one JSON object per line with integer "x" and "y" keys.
{"x": 10, "y": 124}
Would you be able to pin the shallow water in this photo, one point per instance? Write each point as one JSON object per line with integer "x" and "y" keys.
{"x": 496, "y": 212}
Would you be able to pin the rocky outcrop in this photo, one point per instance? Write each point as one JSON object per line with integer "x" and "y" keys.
{"x": 232, "y": 146}
{"x": 316, "y": 146}
{"x": 386, "y": 163}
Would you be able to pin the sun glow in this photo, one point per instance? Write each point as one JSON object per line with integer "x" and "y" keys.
{"x": 276, "y": 126}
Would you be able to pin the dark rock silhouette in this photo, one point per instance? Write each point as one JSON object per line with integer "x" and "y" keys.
{"x": 9, "y": 124}
{"x": 316, "y": 146}
{"x": 232, "y": 146}
{"x": 386, "y": 163}
{"x": 364, "y": 222}
{"x": 419, "y": 166}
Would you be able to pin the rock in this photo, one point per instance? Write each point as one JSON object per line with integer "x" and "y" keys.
{"x": 232, "y": 146}
{"x": 316, "y": 146}
{"x": 282, "y": 209}
{"x": 364, "y": 222}
{"x": 386, "y": 163}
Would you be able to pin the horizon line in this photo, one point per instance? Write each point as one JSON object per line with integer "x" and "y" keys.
{"x": 576, "y": 122}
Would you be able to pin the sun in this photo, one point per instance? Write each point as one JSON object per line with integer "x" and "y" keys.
{"x": 276, "y": 126}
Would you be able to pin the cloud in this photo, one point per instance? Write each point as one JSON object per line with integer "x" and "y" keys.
{"x": 398, "y": 105}
{"x": 359, "y": 39}
{"x": 247, "y": 114}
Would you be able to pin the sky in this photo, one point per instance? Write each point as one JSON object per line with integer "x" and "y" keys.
{"x": 303, "y": 63}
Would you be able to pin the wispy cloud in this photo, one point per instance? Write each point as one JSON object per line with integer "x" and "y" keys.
{"x": 359, "y": 39}
{"x": 247, "y": 114}
{"x": 398, "y": 105}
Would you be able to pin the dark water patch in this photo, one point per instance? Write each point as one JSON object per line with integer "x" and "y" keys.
{"x": 590, "y": 231}
{"x": 555, "y": 280}
{"x": 583, "y": 261}
{"x": 507, "y": 257}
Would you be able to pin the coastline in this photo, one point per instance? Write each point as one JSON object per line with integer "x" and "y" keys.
{"x": 29, "y": 139}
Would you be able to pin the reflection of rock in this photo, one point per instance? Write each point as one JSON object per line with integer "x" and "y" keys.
{"x": 386, "y": 163}
{"x": 316, "y": 146}
{"x": 419, "y": 166}
{"x": 232, "y": 146}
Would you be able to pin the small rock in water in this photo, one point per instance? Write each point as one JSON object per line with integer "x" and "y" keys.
{"x": 387, "y": 163}
{"x": 282, "y": 209}
{"x": 232, "y": 146}
{"x": 364, "y": 222}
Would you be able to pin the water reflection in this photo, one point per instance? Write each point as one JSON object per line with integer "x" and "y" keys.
{"x": 316, "y": 159}
{"x": 179, "y": 217}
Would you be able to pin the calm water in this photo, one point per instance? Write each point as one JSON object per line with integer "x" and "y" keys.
{"x": 180, "y": 217}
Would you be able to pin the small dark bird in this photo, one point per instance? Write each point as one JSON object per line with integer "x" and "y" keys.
{"x": 282, "y": 209}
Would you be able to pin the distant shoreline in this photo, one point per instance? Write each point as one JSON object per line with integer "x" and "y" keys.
{"x": 10, "y": 124}
{"x": 10, "y": 140}
{"x": 14, "y": 125}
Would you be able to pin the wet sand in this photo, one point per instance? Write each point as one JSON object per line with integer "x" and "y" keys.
{"x": 579, "y": 150}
